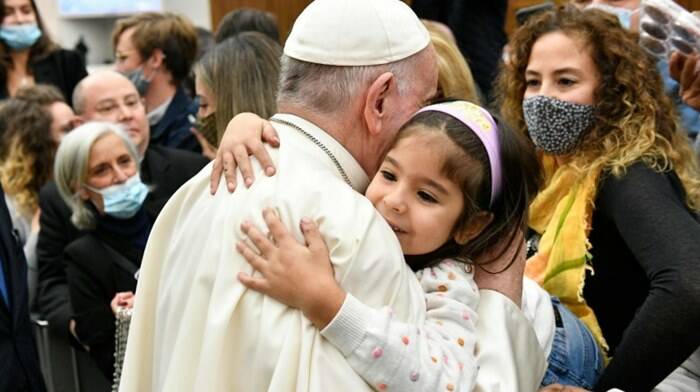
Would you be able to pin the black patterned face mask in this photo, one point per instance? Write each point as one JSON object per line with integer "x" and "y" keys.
{"x": 556, "y": 126}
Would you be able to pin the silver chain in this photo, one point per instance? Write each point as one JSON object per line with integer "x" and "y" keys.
{"x": 122, "y": 322}
{"x": 319, "y": 144}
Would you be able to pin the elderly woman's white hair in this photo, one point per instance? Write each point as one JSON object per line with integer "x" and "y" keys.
{"x": 71, "y": 166}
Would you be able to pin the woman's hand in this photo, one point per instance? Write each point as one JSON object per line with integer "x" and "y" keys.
{"x": 686, "y": 71}
{"x": 208, "y": 150}
{"x": 496, "y": 274}
{"x": 124, "y": 299}
{"x": 562, "y": 388}
{"x": 300, "y": 276}
{"x": 245, "y": 135}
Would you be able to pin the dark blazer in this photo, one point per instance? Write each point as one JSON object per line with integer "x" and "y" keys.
{"x": 94, "y": 278}
{"x": 19, "y": 360}
{"x": 165, "y": 168}
{"x": 61, "y": 68}
{"x": 173, "y": 130}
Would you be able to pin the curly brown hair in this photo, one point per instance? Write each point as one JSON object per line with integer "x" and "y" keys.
{"x": 26, "y": 152}
{"x": 635, "y": 119}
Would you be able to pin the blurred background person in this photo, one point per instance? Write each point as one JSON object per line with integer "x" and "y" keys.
{"x": 97, "y": 175}
{"x": 478, "y": 27}
{"x": 156, "y": 51}
{"x": 628, "y": 12}
{"x": 247, "y": 19}
{"x": 51, "y": 100}
{"x": 27, "y": 149}
{"x": 455, "y": 78}
{"x": 19, "y": 369}
{"x": 29, "y": 56}
{"x": 239, "y": 75}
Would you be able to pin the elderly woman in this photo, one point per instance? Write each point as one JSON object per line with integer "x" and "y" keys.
{"x": 97, "y": 174}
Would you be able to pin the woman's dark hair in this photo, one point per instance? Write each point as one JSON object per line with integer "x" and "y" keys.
{"x": 469, "y": 167}
{"x": 41, "y": 48}
{"x": 247, "y": 19}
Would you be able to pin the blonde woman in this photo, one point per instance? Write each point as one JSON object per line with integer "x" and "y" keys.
{"x": 455, "y": 79}
{"x": 239, "y": 75}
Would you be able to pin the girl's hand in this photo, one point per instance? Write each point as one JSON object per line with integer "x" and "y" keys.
{"x": 208, "y": 150}
{"x": 300, "y": 276}
{"x": 35, "y": 221}
{"x": 245, "y": 134}
{"x": 124, "y": 299}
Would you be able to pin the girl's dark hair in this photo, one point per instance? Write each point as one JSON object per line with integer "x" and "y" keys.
{"x": 469, "y": 168}
{"x": 41, "y": 48}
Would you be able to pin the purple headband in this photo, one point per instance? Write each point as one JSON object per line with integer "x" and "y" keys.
{"x": 480, "y": 121}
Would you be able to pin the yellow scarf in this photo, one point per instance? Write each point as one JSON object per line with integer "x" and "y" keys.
{"x": 562, "y": 214}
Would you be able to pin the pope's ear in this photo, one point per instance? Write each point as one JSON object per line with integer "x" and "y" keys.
{"x": 375, "y": 101}
{"x": 473, "y": 228}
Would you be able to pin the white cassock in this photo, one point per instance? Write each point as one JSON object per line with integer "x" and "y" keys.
{"x": 196, "y": 328}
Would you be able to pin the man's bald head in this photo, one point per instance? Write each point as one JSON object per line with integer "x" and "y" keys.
{"x": 110, "y": 96}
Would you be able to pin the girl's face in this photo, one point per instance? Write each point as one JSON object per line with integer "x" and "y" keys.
{"x": 420, "y": 204}
{"x": 18, "y": 12}
{"x": 561, "y": 67}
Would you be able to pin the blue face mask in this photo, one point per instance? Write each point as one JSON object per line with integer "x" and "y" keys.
{"x": 139, "y": 80}
{"x": 624, "y": 15}
{"x": 20, "y": 36}
{"x": 123, "y": 201}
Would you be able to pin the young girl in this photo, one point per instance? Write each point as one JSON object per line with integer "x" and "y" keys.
{"x": 454, "y": 185}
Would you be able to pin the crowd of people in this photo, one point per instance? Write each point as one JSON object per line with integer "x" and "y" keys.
{"x": 395, "y": 198}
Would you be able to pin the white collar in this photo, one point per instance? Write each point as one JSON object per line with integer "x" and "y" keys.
{"x": 157, "y": 114}
{"x": 357, "y": 176}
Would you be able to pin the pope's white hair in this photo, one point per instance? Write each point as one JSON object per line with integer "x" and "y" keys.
{"x": 329, "y": 88}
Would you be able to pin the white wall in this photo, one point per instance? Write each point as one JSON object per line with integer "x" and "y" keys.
{"x": 97, "y": 31}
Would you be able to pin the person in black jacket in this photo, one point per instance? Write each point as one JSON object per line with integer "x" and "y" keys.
{"x": 156, "y": 51}
{"x": 107, "y": 96}
{"x": 19, "y": 361}
{"x": 97, "y": 176}
{"x": 29, "y": 56}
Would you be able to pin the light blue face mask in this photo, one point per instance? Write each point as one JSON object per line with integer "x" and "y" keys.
{"x": 123, "y": 201}
{"x": 624, "y": 15}
{"x": 139, "y": 80}
{"x": 20, "y": 36}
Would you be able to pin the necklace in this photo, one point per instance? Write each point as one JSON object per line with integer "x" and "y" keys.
{"x": 319, "y": 145}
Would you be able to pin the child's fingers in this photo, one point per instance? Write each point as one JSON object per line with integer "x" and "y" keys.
{"x": 257, "y": 284}
{"x": 269, "y": 135}
{"x": 242, "y": 163}
{"x": 216, "y": 170}
{"x": 229, "y": 166}
{"x": 312, "y": 235}
{"x": 276, "y": 227}
{"x": 260, "y": 240}
{"x": 255, "y": 261}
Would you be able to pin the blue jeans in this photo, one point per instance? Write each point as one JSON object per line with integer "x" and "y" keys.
{"x": 575, "y": 358}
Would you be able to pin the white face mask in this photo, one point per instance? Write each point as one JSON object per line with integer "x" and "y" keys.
{"x": 624, "y": 15}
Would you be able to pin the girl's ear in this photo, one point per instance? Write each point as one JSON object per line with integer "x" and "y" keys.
{"x": 474, "y": 227}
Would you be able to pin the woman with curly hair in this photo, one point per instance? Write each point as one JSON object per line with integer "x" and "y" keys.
{"x": 617, "y": 222}
{"x": 26, "y": 158}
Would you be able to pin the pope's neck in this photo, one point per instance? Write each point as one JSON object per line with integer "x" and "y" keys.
{"x": 339, "y": 127}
